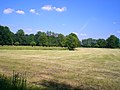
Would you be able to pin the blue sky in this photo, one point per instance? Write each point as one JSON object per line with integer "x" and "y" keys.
{"x": 86, "y": 18}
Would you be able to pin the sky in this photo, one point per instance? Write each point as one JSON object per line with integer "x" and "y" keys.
{"x": 86, "y": 18}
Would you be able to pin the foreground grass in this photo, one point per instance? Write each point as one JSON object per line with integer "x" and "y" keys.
{"x": 16, "y": 82}
{"x": 85, "y": 68}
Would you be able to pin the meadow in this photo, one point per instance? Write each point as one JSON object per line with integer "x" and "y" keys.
{"x": 82, "y": 69}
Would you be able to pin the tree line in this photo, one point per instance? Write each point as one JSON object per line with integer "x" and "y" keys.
{"x": 49, "y": 39}
{"x": 110, "y": 42}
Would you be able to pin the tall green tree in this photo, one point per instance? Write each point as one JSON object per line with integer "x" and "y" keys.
{"x": 71, "y": 41}
{"x": 78, "y": 41}
{"x": 102, "y": 43}
{"x": 119, "y": 43}
{"x": 20, "y": 37}
{"x": 52, "y": 38}
{"x": 41, "y": 38}
{"x": 29, "y": 38}
{"x": 112, "y": 42}
{"x": 84, "y": 43}
{"x": 61, "y": 40}
{"x": 89, "y": 42}
{"x": 6, "y": 36}
{"x": 94, "y": 43}
{"x": 2, "y": 35}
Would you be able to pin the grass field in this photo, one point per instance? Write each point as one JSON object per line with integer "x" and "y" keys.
{"x": 84, "y": 68}
{"x": 30, "y": 48}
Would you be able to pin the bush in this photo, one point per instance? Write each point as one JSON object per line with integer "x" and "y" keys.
{"x": 33, "y": 43}
{"x": 16, "y": 43}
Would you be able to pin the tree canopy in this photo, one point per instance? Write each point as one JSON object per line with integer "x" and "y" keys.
{"x": 72, "y": 41}
{"x": 6, "y": 36}
{"x": 112, "y": 42}
{"x": 50, "y": 38}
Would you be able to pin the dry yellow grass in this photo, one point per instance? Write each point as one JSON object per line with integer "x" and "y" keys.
{"x": 89, "y": 67}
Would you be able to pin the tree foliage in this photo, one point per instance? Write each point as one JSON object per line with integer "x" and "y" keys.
{"x": 89, "y": 42}
{"x": 102, "y": 43}
{"x": 20, "y": 37}
{"x": 72, "y": 41}
{"x": 112, "y": 42}
{"x": 32, "y": 43}
{"x": 61, "y": 40}
{"x": 6, "y": 36}
{"x": 52, "y": 39}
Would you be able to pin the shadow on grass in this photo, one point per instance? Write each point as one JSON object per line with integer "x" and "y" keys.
{"x": 19, "y": 82}
{"x": 54, "y": 85}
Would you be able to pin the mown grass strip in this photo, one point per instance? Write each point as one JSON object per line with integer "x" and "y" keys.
{"x": 30, "y": 48}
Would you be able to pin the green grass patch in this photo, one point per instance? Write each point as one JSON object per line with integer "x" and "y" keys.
{"x": 30, "y": 48}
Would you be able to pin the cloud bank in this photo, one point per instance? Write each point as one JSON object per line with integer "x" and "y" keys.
{"x": 45, "y": 7}
{"x": 8, "y": 11}
{"x": 20, "y": 12}
{"x": 33, "y": 11}
{"x": 52, "y": 8}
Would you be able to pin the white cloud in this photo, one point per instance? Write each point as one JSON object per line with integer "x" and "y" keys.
{"x": 8, "y": 11}
{"x": 51, "y": 8}
{"x": 20, "y": 12}
{"x": 60, "y": 9}
{"x": 83, "y": 34}
{"x": 47, "y": 7}
{"x": 34, "y": 11}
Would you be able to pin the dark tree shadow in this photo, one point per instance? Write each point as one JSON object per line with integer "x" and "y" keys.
{"x": 54, "y": 85}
